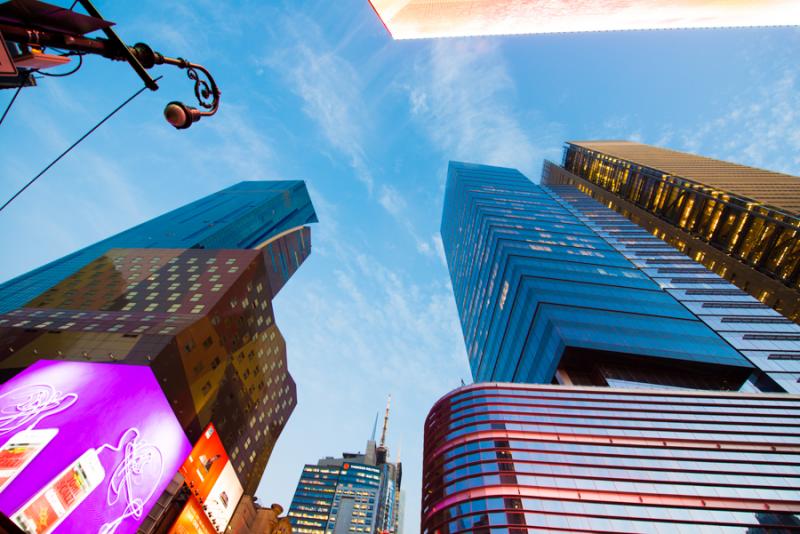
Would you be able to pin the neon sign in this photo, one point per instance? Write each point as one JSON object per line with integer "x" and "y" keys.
{"x": 85, "y": 447}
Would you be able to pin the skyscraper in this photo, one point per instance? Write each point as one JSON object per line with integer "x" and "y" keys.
{"x": 359, "y": 492}
{"x": 641, "y": 345}
{"x": 549, "y": 285}
{"x": 742, "y": 223}
{"x": 198, "y": 313}
{"x": 413, "y": 19}
{"x": 239, "y": 217}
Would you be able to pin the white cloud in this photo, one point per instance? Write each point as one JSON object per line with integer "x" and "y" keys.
{"x": 419, "y": 101}
{"x": 463, "y": 96}
{"x": 333, "y": 96}
{"x": 392, "y": 201}
{"x": 330, "y": 89}
{"x": 759, "y": 128}
{"x": 439, "y": 247}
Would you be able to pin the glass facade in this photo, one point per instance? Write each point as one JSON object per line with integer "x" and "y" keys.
{"x": 355, "y": 493}
{"x": 751, "y": 216}
{"x": 200, "y": 316}
{"x": 240, "y": 217}
{"x": 535, "y": 283}
{"x": 768, "y": 339}
{"x": 333, "y": 499}
{"x": 516, "y": 459}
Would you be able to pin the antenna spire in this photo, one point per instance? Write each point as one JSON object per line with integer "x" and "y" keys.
{"x": 386, "y": 421}
{"x": 375, "y": 426}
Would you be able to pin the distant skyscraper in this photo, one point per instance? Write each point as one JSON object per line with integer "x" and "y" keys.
{"x": 742, "y": 223}
{"x": 413, "y": 19}
{"x": 636, "y": 349}
{"x": 355, "y": 493}
{"x": 239, "y": 217}
{"x": 198, "y": 313}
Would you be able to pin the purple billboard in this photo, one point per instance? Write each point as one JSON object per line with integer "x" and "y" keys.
{"x": 85, "y": 447}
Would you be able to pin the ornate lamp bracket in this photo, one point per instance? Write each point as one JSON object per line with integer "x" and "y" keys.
{"x": 206, "y": 92}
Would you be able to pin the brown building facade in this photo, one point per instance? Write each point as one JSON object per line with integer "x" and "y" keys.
{"x": 740, "y": 222}
{"x": 202, "y": 319}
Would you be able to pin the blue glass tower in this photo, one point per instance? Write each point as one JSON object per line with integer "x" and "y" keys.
{"x": 551, "y": 286}
{"x": 239, "y": 217}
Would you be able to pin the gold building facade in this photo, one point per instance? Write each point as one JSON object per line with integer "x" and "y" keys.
{"x": 740, "y": 222}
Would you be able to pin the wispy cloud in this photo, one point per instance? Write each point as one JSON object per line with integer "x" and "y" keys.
{"x": 330, "y": 89}
{"x": 333, "y": 95}
{"x": 463, "y": 96}
{"x": 759, "y": 128}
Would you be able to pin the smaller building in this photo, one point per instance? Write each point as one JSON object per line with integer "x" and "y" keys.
{"x": 336, "y": 498}
{"x": 358, "y": 492}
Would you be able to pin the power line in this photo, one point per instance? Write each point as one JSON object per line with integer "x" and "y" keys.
{"x": 76, "y": 143}
{"x": 8, "y": 108}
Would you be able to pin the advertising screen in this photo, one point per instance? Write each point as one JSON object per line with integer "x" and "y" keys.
{"x": 212, "y": 479}
{"x": 85, "y": 447}
{"x": 414, "y": 19}
{"x": 192, "y": 520}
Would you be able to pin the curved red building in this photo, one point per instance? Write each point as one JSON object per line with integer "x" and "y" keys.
{"x": 520, "y": 458}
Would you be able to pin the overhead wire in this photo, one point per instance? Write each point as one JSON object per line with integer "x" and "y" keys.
{"x": 23, "y": 80}
{"x": 73, "y": 145}
{"x": 13, "y": 98}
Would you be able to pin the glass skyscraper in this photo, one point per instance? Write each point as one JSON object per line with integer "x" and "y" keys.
{"x": 647, "y": 364}
{"x": 239, "y": 217}
{"x": 743, "y": 223}
{"x": 336, "y": 498}
{"x": 550, "y": 285}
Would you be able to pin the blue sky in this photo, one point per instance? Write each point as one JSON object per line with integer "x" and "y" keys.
{"x": 316, "y": 90}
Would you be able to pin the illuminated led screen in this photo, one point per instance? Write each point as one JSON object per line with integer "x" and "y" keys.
{"x": 414, "y": 19}
{"x": 193, "y": 520}
{"x": 212, "y": 480}
{"x": 85, "y": 447}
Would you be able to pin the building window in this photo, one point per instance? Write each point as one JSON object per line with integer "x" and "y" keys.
{"x": 786, "y": 356}
{"x": 753, "y": 305}
{"x": 756, "y": 320}
{"x": 773, "y": 337}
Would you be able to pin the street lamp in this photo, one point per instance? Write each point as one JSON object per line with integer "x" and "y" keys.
{"x": 34, "y": 24}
